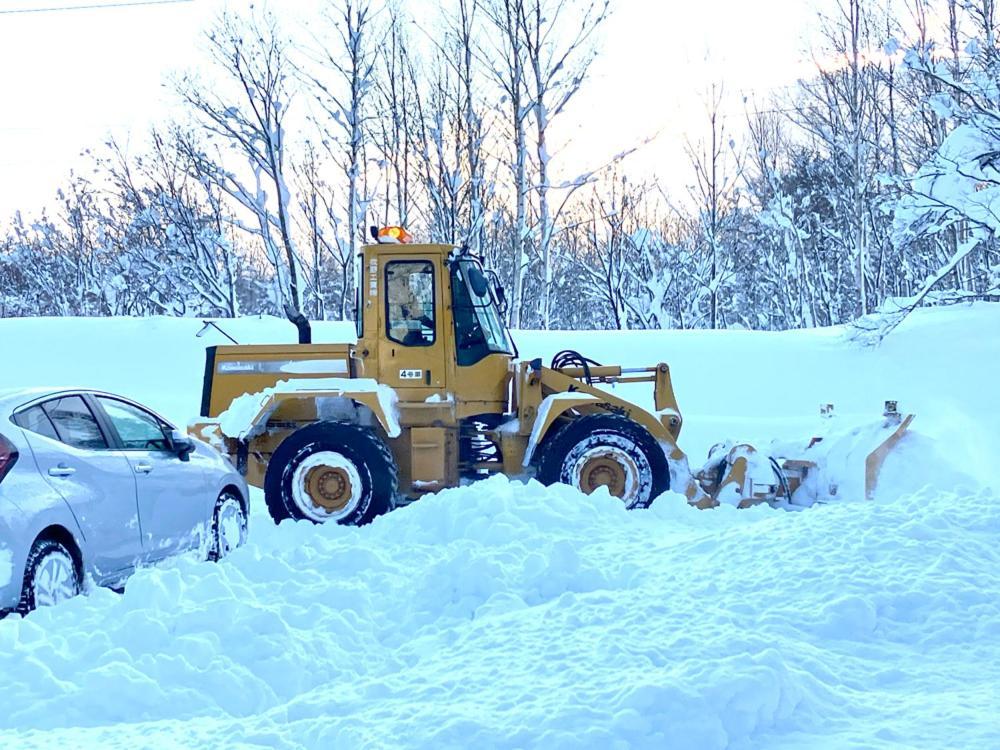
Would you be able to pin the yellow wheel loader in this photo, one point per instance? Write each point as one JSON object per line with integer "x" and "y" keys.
{"x": 434, "y": 394}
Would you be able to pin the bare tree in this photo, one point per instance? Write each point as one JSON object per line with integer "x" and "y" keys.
{"x": 841, "y": 111}
{"x": 714, "y": 194}
{"x": 464, "y": 33}
{"x": 395, "y": 127}
{"x": 438, "y": 147}
{"x": 344, "y": 98}
{"x": 252, "y": 55}
{"x": 509, "y": 69}
{"x": 310, "y": 198}
{"x": 558, "y": 65}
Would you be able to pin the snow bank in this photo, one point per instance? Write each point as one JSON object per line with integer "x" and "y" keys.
{"x": 158, "y": 361}
{"x": 940, "y": 364}
{"x": 510, "y": 616}
{"x": 501, "y": 615}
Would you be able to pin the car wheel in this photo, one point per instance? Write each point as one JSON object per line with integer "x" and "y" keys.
{"x": 606, "y": 450}
{"x": 331, "y": 471}
{"x": 229, "y": 526}
{"x": 51, "y": 576}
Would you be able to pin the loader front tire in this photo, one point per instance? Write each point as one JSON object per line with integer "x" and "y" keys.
{"x": 606, "y": 450}
{"x": 331, "y": 471}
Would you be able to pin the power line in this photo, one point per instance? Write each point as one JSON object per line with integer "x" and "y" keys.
{"x": 98, "y": 6}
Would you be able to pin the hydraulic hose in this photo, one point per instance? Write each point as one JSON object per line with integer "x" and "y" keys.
{"x": 570, "y": 358}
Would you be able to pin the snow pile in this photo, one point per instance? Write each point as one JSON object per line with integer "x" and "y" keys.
{"x": 512, "y": 616}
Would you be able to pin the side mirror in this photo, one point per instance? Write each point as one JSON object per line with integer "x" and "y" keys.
{"x": 501, "y": 296}
{"x": 499, "y": 293}
{"x": 180, "y": 444}
{"x": 478, "y": 282}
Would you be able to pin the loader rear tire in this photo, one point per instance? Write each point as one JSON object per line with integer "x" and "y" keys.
{"x": 331, "y": 471}
{"x": 606, "y": 450}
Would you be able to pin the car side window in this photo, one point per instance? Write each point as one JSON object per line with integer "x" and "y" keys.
{"x": 75, "y": 423}
{"x": 36, "y": 420}
{"x": 138, "y": 429}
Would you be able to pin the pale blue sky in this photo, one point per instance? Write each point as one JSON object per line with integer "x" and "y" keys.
{"x": 72, "y": 78}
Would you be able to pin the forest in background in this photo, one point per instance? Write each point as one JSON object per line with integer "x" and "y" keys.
{"x": 858, "y": 194}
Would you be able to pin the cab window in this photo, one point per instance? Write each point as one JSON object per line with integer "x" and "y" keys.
{"x": 138, "y": 429}
{"x": 359, "y": 296}
{"x": 479, "y": 329}
{"x": 410, "y": 318}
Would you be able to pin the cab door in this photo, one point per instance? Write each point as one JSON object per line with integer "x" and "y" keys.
{"x": 412, "y": 340}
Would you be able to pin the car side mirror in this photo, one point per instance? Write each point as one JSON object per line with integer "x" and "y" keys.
{"x": 180, "y": 444}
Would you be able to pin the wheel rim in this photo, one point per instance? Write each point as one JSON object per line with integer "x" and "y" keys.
{"x": 231, "y": 526}
{"x": 54, "y": 580}
{"x": 326, "y": 486}
{"x": 611, "y": 467}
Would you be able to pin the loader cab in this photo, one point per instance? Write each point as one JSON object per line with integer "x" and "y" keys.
{"x": 429, "y": 326}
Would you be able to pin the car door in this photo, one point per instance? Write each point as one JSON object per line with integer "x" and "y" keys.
{"x": 173, "y": 495}
{"x": 75, "y": 455}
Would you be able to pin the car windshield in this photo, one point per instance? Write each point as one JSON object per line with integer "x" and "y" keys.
{"x": 479, "y": 331}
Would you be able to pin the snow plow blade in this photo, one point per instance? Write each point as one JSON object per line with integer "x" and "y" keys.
{"x": 837, "y": 464}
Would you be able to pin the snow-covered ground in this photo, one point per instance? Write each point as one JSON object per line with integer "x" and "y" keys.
{"x": 503, "y": 615}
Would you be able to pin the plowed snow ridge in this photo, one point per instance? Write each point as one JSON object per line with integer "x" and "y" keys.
{"x": 504, "y": 615}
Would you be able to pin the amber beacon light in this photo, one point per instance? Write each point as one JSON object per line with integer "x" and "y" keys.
{"x": 392, "y": 235}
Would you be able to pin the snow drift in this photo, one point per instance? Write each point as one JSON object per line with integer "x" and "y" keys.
{"x": 509, "y": 615}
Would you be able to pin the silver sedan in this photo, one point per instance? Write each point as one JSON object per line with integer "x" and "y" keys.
{"x": 93, "y": 485}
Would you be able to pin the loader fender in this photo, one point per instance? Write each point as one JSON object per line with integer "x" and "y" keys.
{"x": 557, "y": 404}
{"x": 551, "y": 408}
{"x": 606, "y": 450}
{"x": 310, "y": 400}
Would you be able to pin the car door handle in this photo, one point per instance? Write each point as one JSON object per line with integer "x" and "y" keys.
{"x": 62, "y": 470}
{"x": 143, "y": 468}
